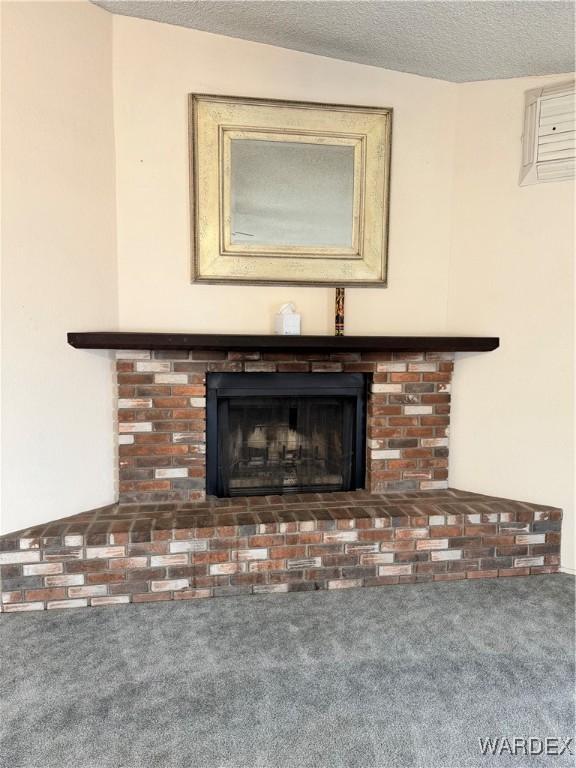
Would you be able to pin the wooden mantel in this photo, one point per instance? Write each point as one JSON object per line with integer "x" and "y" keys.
{"x": 275, "y": 343}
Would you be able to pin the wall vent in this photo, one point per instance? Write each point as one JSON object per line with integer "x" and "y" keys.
{"x": 549, "y": 140}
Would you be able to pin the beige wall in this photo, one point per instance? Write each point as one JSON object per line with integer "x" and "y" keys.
{"x": 511, "y": 275}
{"x": 156, "y": 67}
{"x": 58, "y": 259}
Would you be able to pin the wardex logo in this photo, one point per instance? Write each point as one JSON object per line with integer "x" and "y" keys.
{"x": 503, "y": 745}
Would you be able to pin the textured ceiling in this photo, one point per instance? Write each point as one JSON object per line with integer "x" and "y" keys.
{"x": 459, "y": 41}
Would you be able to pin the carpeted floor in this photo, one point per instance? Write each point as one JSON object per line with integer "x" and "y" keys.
{"x": 398, "y": 676}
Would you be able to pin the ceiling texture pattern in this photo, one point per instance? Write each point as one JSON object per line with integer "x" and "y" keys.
{"x": 460, "y": 41}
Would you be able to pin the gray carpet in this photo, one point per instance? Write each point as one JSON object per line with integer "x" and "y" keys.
{"x": 396, "y": 676}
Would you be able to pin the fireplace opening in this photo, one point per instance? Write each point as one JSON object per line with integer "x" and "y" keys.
{"x": 284, "y": 433}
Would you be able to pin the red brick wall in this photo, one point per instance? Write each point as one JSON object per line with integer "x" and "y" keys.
{"x": 162, "y": 415}
{"x": 226, "y": 547}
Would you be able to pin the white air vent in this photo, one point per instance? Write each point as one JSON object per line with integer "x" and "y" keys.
{"x": 549, "y": 140}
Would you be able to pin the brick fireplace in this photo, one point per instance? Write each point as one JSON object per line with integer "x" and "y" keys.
{"x": 162, "y": 416}
{"x": 167, "y": 539}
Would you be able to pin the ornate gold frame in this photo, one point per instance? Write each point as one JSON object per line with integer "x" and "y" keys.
{"x": 216, "y": 120}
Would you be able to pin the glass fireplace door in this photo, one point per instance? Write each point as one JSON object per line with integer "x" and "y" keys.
{"x": 285, "y": 444}
{"x": 274, "y": 433}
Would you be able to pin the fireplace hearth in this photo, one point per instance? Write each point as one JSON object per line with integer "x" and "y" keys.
{"x": 284, "y": 433}
{"x": 131, "y": 553}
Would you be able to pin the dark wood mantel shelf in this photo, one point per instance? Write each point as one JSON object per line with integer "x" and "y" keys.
{"x": 274, "y": 343}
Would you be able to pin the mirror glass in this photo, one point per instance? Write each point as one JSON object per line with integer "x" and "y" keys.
{"x": 291, "y": 193}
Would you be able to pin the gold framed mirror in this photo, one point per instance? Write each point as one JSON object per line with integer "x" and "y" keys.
{"x": 289, "y": 192}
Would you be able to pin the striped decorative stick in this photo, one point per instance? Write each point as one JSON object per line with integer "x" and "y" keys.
{"x": 339, "y": 317}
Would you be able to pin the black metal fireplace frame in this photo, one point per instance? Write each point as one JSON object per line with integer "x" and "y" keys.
{"x": 229, "y": 385}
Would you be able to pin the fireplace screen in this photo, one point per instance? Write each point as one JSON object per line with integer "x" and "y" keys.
{"x": 273, "y": 439}
{"x": 288, "y": 443}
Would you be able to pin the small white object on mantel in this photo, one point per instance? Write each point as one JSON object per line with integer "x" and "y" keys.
{"x": 287, "y": 321}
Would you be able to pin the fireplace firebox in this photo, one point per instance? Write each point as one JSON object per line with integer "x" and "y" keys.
{"x": 273, "y": 433}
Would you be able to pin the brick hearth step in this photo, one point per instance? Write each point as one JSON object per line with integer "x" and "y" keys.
{"x": 143, "y": 553}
